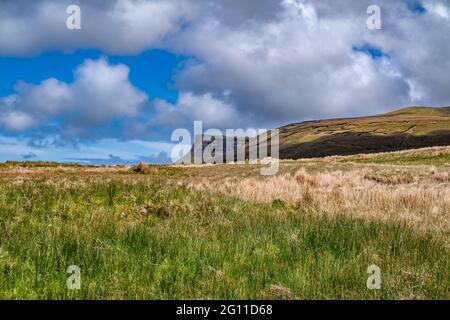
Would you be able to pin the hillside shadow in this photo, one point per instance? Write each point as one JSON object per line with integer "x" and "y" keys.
{"x": 350, "y": 143}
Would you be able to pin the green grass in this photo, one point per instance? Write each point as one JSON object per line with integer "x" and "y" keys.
{"x": 39, "y": 164}
{"x": 148, "y": 240}
{"x": 404, "y": 158}
{"x": 421, "y": 110}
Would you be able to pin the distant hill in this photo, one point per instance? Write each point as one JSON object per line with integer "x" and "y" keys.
{"x": 407, "y": 128}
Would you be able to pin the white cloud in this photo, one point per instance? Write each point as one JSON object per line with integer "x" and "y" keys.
{"x": 51, "y": 97}
{"x": 296, "y": 66}
{"x": 120, "y": 26}
{"x": 278, "y": 61}
{"x": 301, "y": 63}
{"x": 100, "y": 93}
{"x": 189, "y": 107}
{"x": 16, "y": 121}
{"x": 103, "y": 92}
{"x": 438, "y": 9}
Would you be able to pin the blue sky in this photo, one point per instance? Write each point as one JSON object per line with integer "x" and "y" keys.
{"x": 150, "y": 71}
{"x": 114, "y": 91}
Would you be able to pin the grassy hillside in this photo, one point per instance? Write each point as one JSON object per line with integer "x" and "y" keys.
{"x": 424, "y": 111}
{"x": 408, "y": 128}
{"x": 414, "y": 127}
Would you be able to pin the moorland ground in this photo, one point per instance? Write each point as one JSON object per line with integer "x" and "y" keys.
{"x": 225, "y": 232}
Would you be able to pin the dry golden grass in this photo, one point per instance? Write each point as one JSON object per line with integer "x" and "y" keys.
{"x": 421, "y": 199}
{"x": 406, "y": 186}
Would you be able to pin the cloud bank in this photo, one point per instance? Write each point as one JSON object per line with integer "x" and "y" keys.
{"x": 253, "y": 63}
{"x": 119, "y": 26}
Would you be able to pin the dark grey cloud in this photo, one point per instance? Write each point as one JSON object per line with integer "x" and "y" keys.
{"x": 118, "y": 26}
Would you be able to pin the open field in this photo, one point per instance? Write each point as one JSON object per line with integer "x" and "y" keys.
{"x": 224, "y": 232}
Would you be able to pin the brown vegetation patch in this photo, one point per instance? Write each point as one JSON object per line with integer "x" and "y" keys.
{"x": 141, "y": 168}
{"x": 390, "y": 178}
{"x": 279, "y": 292}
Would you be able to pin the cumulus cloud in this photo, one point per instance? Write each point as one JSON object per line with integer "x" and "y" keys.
{"x": 438, "y": 9}
{"x": 212, "y": 111}
{"x": 118, "y": 26}
{"x": 303, "y": 63}
{"x": 104, "y": 92}
{"x": 100, "y": 93}
{"x": 16, "y": 121}
{"x": 254, "y": 63}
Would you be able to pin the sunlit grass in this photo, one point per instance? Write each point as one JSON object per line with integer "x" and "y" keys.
{"x": 148, "y": 240}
